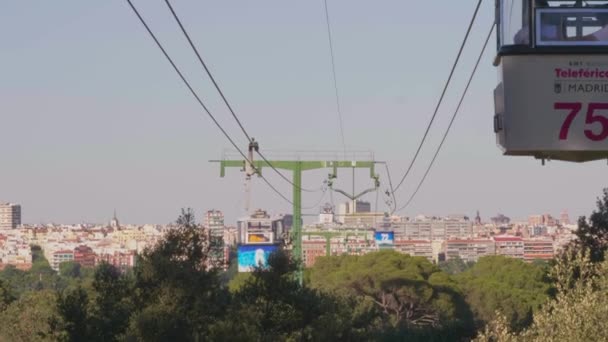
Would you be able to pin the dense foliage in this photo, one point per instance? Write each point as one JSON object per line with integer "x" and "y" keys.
{"x": 513, "y": 287}
{"x": 592, "y": 234}
{"x": 577, "y": 313}
{"x": 410, "y": 296}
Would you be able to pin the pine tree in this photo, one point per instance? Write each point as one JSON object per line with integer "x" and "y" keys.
{"x": 593, "y": 233}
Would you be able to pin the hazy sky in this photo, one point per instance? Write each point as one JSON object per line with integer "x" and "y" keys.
{"x": 93, "y": 118}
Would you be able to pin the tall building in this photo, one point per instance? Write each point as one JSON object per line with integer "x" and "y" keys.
{"x": 260, "y": 228}
{"x": 564, "y": 219}
{"x": 346, "y": 208}
{"x": 214, "y": 221}
{"x": 477, "y": 218}
{"x": 114, "y": 222}
{"x": 10, "y": 215}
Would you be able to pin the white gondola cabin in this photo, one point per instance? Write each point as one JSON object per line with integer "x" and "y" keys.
{"x": 552, "y": 98}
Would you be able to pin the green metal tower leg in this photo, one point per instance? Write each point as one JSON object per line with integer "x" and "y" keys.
{"x": 297, "y": 218}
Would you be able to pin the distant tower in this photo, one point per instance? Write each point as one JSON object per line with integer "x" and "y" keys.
{"x": 214, "y": 221}
{"x": 478, "y": 218}
{"x": 114, "y": 222}
{"x": 564, "y": 218}
{"x": 10, "y": 215}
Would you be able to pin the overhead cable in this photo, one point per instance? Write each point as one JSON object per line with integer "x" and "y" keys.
{"x": 219, "y": 90}
{"x": 333, "y": 70}
{"x": 318, "y": 202}
{"x": 392, "y": 191}
{"x": 451, "y": 121}
{"x": 198, "y": 55}
{"x": 198, "y": 99}
{"x": 447, "y": 83}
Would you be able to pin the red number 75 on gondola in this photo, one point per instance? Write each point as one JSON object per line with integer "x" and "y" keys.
{"x": 591, "y": 118}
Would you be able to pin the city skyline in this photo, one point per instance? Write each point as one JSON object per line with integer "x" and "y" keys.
{"x": 202, "y": 216}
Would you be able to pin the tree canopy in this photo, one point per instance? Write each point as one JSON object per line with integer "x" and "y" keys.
{"x": 508, "y": 285}
{"x": 410, "y": 293}
{"x": 592, "y": 234}
{"x": 577, "y": 313}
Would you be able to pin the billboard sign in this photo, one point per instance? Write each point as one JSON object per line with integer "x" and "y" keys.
{"x": 384, "y": 238}
{"x": 251, "y": 256}
{"x": 261, "y": 238}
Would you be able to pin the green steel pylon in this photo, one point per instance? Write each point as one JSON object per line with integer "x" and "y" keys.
{"x": 297, "y": 167}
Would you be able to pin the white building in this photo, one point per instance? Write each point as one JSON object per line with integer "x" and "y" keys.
{"x": 260, "y": 228}
{"x": 10, "y": 216}
{"x": 214, "y": 221}
{"x": 469, "y": 249}
{"x": 434, "y": 229}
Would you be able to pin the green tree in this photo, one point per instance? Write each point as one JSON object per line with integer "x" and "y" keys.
{"x": 508, "y": 285}
{"x": 29, "y": 318}
{"x": 6, "y": 297}
{"x": 41, "y": 276}
{"x": 455, "y": 265}
{"x": 270, "y": 305}
{"x": 69, "y": 269}
{"x": 111, "y": 306}
{"x": 413, "y": 296}
{"x": 177, "y": 290}
{"x": 578, "y": 313}
{"x": 16, "y": 281}
{"x": 593, "y": 234}
{"x": 72, "y": 315}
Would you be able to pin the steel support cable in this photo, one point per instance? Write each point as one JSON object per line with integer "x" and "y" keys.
{"x": 219, "y": 90}
{"x": 198, "y": 55}
{"x": 392, "y": 191}
{"x": 466, "y": 37}
{"x": 277, "y": 191}
{"x": 318, "y": 202}
{"x": 193, "y": 92}
{"x": 451, "y": 121}
{"x": 333, "y": 69}
{"x": 376, "y": 208}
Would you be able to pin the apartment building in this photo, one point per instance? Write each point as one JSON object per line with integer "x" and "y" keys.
{"x": 511, "y": 246}
{"x": 419, "y": 248}
{"x": 469, "y": 249}
{"x": 10, "y": 216}
{"x": 541, "y": 248}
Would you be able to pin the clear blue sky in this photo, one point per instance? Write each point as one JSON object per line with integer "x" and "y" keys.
{"x": 93, "y": 118}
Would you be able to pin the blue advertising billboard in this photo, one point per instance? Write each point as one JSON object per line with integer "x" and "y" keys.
{"x": 384, "y": 238}
{"x": 251, "y": 256}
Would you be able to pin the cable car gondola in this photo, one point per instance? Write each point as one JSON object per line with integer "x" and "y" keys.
{"x": 551, "y": 101}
